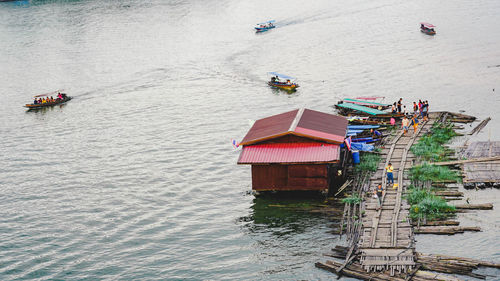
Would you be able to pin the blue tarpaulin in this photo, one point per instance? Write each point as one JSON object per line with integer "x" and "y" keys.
{"x": 362, "y": 146}
{"x": 362, "y": 127}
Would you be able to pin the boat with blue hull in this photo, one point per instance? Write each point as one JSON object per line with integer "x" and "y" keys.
{"x": 265, "y": 26}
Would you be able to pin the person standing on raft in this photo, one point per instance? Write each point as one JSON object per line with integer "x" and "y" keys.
{"x": 390, "y": 175}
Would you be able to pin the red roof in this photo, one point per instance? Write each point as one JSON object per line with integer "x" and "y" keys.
{"x": 301, "y": 122}
{"x": 289, "y": 153}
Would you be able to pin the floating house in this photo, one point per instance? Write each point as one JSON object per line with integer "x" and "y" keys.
{"x": 297, "y": 150}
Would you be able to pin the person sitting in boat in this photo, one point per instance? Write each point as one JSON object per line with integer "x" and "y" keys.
{"x": 422, "y": 26}
{"x": 288, "y": 82}
{"x": 51, "y": 99}
{"x": 35, "y": 101}
{"x": 273, "y": 79}
{"x": 63, "y": 96}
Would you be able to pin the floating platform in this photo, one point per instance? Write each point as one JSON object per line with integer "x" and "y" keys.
{"x": 482, "y": 172}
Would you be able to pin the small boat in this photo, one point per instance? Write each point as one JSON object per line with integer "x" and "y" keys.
{"x": 371, "y": 104}
{"x": 427, "y": 28}
{"x": 351, "y": 109}
{"x": 63, "y": 98}
{"x": 288, "y": 82}
{"x": 264, "y": 26}
{"x": 368, "y": 121}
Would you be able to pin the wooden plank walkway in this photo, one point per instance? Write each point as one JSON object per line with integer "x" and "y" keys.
{"x": 387, "y": 241}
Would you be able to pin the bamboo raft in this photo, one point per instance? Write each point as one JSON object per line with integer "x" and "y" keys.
{"x": 385, "y": 248}
{"x": 440, "y": 265}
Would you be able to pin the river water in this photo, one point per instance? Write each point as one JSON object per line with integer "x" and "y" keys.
{"x": 135, "y": 178}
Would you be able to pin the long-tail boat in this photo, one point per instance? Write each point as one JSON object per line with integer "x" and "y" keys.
{"x": 371, "y": 104}
{"x": 288, "y": 82}
{"x": 369, "y": 121}
{"x": 351, "y": 109}
{"x": 264, "y": 26}
{"x": 60, "y": 100}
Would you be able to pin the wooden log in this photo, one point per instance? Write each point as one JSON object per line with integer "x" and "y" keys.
{"x": 452, "y": 198}
{"x": 480, "y": 126}
{"x": 449, "y": 193}
{"x": 347, "y": 272}
{"x": 355, "y": 270}
{"x": 458, "y": 259}
{"x": 449, "y": 266}
{"x": 426, "y": 275}
{"x": 461, "y": 120}
{"x": 439, "y": 223}
{"x": 445, "y": 181}
{"x": 445, "y": 230}
{"x": 457, "y": 162}
{"x": 485, "y": 206}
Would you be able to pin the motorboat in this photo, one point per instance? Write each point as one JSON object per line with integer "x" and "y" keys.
{"x": 427, "y": 28}
{"x": 265, "y": 26}
{"x": 282, "y": 81}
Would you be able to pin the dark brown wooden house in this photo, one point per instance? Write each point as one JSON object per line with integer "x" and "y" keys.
{"x": 296, "y": 150}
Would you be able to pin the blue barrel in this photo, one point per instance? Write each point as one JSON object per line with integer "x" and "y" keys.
{"x": 355, "y": 156}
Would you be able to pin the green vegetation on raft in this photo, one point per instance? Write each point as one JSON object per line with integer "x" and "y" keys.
{"x": 430, "y": 146}
{"x": 429, "y": 172}
{"x": 354, "y": 199}
{"x": 427, "y": 206}
{"x": 368, "y": 162}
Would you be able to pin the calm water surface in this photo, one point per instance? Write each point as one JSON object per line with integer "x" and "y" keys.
{"x": 135, "y": 178}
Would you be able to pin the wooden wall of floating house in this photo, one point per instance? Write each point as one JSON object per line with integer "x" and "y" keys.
{"x": 269, "y": 177}
{"x": 289, "y": 177}
{"x": 308, "y": 177}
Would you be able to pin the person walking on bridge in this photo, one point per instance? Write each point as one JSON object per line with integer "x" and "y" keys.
{"x": 390, "y": 175}
{"x": 414, "y": 123}
{"x": 405, "y": 123}
{"x": 379, "y": 193}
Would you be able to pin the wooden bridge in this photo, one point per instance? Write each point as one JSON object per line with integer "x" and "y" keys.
{"x": 387, "y": 240}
